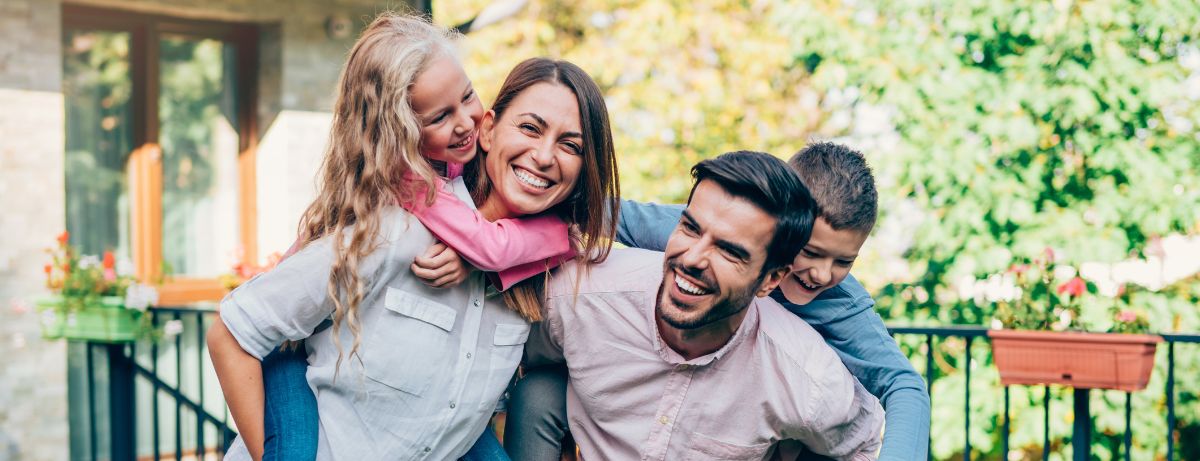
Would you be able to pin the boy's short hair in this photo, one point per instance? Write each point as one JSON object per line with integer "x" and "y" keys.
{"x": 841, "y": 184}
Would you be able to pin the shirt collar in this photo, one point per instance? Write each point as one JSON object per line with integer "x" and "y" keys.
{"x": 748, "y": 326}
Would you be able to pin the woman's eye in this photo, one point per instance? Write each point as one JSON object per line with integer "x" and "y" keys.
{"x": 574, "y": 148}
{"x": 528, "y": 127}
{"x": 438, "y": 119}
{"x": 809, "y": 254}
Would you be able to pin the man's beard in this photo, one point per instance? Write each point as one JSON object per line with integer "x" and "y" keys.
{"x": 727, "y": 306}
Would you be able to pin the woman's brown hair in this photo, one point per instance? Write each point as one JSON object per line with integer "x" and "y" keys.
{"x": 592, "y": 207}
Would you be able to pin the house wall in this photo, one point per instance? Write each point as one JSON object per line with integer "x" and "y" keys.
{"x": 298, "y": 70}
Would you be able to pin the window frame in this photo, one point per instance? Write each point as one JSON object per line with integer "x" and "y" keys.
{"x": 144, "y": 168}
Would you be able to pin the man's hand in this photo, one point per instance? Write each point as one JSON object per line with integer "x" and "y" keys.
{"x": 440, "y": 267}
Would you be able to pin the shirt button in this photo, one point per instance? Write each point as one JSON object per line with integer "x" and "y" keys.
{"x": 451, "y": 404}
{"x": 682, "y": 367}
{"x": 427, "y": 449}
{"x": 476, "y": 303}
{"x": 468, "y": 355}
{"x": 662, "y": 420}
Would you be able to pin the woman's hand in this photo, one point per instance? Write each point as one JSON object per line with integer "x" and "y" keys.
{"x": 440, "y": 267}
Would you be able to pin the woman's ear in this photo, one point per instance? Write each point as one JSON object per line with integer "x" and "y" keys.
{"x": 486, "y": 126}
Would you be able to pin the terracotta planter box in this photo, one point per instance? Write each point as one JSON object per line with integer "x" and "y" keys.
{"x": 1079, "y": 360}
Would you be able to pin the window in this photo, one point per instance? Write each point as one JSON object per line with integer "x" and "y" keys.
{"x": 161, "y": 144}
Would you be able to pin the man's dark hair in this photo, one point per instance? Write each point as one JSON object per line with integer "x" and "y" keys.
{"x": 841, "y": 183}
{"x": 772, "y": 185}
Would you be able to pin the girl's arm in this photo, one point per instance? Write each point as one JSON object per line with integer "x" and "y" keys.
{"x": 240, "y": 375}
{"x": 491, "y": 246}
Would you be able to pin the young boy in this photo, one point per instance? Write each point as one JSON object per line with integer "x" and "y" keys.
{"x": 819, "y": 289}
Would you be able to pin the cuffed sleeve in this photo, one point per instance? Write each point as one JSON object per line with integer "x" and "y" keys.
{"x": 286, "y": 303}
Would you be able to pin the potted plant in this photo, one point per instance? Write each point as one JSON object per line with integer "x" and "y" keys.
{"x": 1042, "y": 341}
{"x": 91, "y": 299}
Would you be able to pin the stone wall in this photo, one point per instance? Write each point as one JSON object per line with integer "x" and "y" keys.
{"x": 298, "y": 69}
{"x": 33, "y": 378}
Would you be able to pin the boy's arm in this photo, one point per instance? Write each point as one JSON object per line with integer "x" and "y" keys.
{"x": 647, "y": 225}
{"x": 845, "y": 317}
{"x": 491, "y": 246}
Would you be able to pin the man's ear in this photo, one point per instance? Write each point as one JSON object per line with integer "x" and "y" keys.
{"x": 772, "y": 280}
{"x": 486, "y": 126}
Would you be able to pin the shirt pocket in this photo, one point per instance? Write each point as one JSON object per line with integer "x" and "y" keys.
{"x": 707, "y": 448}
{"x": 410, "y": 343}
{"x": 508, "y": 343}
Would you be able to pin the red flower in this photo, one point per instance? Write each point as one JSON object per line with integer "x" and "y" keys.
{"x": 110, "y": 261}
{"x": 1018, "y": 268}
{"x": 1074, "y": 287}
{"x": 63, "y": 237}
{"x": 49, "y": 268}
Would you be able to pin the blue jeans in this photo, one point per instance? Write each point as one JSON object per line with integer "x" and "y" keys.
{"x": 290, "y": 414}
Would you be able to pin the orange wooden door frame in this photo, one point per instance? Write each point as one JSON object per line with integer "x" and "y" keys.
{"x": 145, "y": 162}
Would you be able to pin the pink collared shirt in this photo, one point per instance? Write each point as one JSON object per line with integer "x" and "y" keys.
{"x": 630, "y": 396}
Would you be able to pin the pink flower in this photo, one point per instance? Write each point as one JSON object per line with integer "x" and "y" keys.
{"x": 1018, "y": 269}
{"x": 1049, "y": 254}
{"x": 109, "y": 275}
{"x": 1074, "y": 287}
{"x": 1127, "y": 316}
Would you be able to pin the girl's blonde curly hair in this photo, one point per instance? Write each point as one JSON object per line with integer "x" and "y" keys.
{"x": 373, "y": 158}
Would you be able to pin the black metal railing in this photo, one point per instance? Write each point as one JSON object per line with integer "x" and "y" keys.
{"x": 1082, "y": 420}
{"x": 161, "y": 399}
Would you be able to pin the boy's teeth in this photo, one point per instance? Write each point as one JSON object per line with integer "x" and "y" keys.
{"x": 531, "y": 180}
{"x": 687, "y": 286}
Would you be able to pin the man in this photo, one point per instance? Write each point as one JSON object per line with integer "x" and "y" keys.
{"x": 677, "y": 356}
{"x": 834, "y": 303}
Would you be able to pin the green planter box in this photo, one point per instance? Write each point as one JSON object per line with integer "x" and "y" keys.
{"x": 106, "y": 320}
{"x": 51, "y": 318}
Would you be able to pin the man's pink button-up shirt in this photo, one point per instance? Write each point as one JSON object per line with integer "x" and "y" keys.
{"x": 630, "y": 396}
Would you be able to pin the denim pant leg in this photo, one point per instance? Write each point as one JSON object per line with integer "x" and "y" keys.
{"x": 487, "y": 448}
{"x": 537, "y": 415}
{"x": 290, "y": 416}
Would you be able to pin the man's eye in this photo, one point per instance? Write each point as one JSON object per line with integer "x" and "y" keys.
{"x": 469, "y": 96}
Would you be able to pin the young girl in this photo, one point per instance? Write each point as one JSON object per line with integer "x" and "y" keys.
{"x": 397, "y": 100}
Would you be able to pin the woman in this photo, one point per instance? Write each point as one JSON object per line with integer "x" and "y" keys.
{"x": 423, "y": 384}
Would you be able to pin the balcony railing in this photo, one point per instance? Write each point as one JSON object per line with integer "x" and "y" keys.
{"x": 161, "y": 400}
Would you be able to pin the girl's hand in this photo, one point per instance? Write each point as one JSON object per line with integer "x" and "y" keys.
{"x": 440, "y": 267}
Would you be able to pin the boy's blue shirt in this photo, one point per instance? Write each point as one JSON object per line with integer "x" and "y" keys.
{"x": 844, "y": 315}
